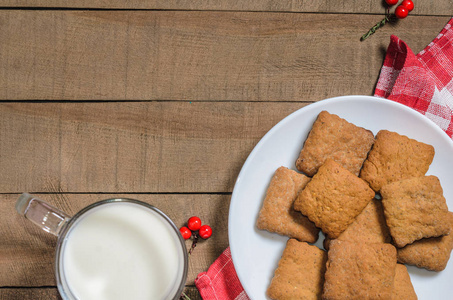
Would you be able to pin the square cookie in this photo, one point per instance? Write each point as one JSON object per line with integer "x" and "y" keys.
{"x": 300, "y": 272}
{"x": 333, "y": 198}
{"x": 368, "y": 227}
{"x": 432, "y": 253}
{"x": 402, "y": 287}
{"x": 277, "y": 213}
{"x": 335, "y": 138}
{"x": 415, "y": 208}
{"x": 395, "y": 157}
{"x": 359, "y": 271}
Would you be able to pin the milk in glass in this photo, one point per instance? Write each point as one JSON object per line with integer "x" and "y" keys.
{"x": 122, "y": 251}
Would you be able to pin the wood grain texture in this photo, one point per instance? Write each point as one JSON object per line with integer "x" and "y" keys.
{"x": 48, "y": 293}
{"x": 195, "y": 55}
{"x": 196, "y": 84}
{"x": 51, "y": 293}
{"x": 130, "y": 146}
{"x": 27, "y": 252}
{"x": 441, "y": 7}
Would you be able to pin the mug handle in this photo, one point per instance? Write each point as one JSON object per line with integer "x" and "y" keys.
{"x": 49, "y": 218}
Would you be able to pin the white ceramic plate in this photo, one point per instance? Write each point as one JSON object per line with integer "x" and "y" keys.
{"x": 256, "y": 253}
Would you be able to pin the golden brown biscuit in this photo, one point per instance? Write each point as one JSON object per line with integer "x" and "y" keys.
{"x": 368, "y": 227}
{"x": 402, "y": 287}
{"x": 415, "y": 208}
{"x": 432, "y": 253}
{"x": 335, "y": 138}
{"x": 277, "y": 213}
{"x": 300, "y": 272}
{"x": 395, "y": 157}
{"x": 359, "y": 271}
{"x": 333, "y": 198}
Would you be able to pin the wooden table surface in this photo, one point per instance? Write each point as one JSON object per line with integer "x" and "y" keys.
{"x": 162, "y": 101}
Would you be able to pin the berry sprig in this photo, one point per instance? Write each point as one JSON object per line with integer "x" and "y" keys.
{"x": 401, "y": 11}
{"x": 195, "y": 229}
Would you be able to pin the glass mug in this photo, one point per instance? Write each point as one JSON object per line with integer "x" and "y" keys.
{"x": 113, "y": 249}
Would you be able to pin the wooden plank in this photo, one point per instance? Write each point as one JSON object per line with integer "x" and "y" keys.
{"x": 50, "y": 293}
{"x": 27, "y": 252}
{"x": 440, "y": 7}
{"x": 130, "y": 146}
{"x": 198, "y": 55}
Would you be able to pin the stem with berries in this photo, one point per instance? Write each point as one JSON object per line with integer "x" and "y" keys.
{"x": 194, "y": 230}
{"x": 401, "y": 12}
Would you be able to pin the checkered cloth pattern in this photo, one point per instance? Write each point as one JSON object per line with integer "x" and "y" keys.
{"x": 423, "y": 82}
{"x": 220, "y": 282}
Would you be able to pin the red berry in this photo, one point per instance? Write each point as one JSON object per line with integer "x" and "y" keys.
{"x": 185, "y": 232}
{"x": 401, "y": 12}
{"x": 391, "y": 2}
{"x": 194, "y": 223}
{"x": 408, "y": 4}
{"x": 205, "y": 231}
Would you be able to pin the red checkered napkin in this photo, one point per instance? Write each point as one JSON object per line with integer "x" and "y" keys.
{"x": 220, "y": 282}
{"x": 423, "y": 81}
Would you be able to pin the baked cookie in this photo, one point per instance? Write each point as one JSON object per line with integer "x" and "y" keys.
{"x": 395, "y": 157}
{"x": 402, "y": 287}
{"x": 333, "y": 198}
{"x": 359, "y": 271}
{"x": 300, "y": 272}
{"x": 368, "y": 227}
{"x": 415, "y": 208}
{"x": 335, "y": 138}
{"x": 277, "y": 213}
{"x": 432, "y": 253}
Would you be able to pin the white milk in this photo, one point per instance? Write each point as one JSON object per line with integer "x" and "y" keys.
{"x": 122, "y": 251}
